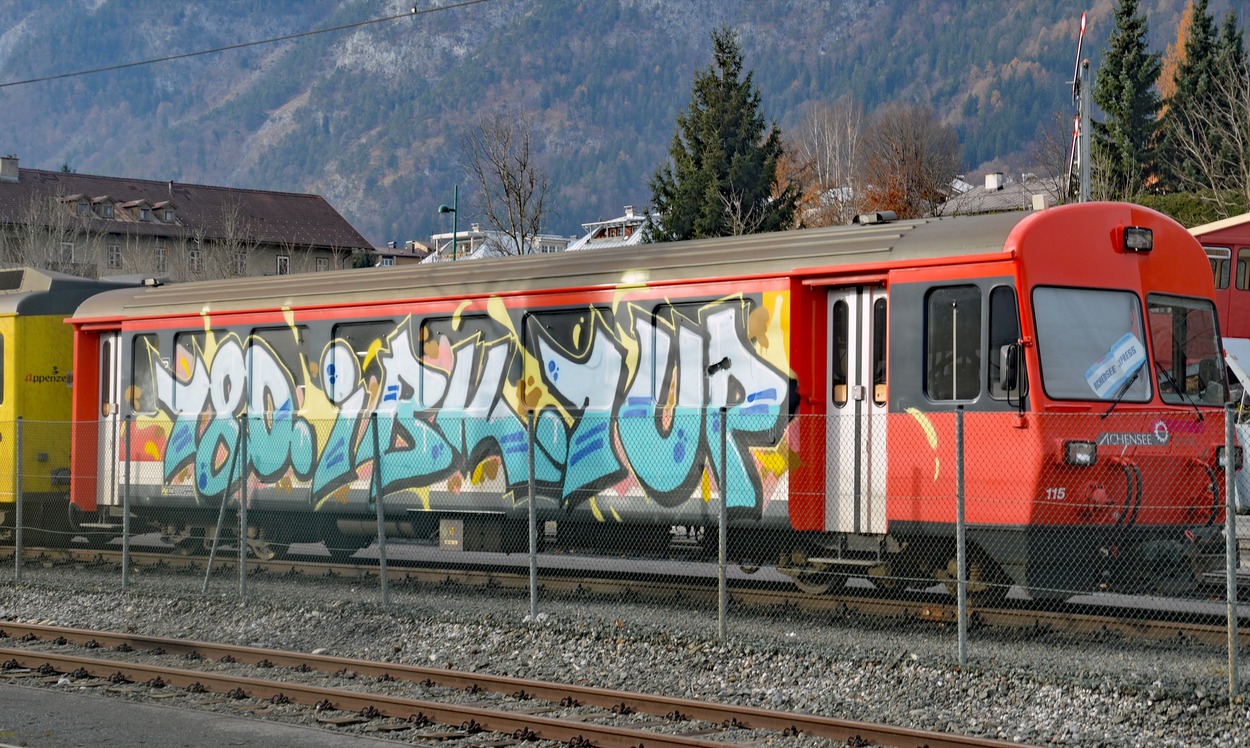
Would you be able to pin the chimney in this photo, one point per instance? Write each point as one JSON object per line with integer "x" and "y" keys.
{"x": 994, "y": 181}
{"x": 8, "y": 168}
{"x": 629, "y": 211}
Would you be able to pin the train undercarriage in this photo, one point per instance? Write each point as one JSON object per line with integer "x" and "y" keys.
{"x": 1050, "y": 563}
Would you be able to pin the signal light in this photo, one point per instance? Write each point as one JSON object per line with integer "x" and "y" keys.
{"x": 1081, "y": 454}
{"x": 1138, "y": 239}
{"x": 1221, "y": 458}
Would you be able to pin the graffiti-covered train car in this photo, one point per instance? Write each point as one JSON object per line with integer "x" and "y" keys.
{"x": 810, "y": 378}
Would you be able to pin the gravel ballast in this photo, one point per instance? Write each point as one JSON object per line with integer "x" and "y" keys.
{"x": 1031, "y": 687}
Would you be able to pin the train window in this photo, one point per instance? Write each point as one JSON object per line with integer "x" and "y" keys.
{"x": 1004, "y": 331}
{"x": 144, "y": 357}
{"x": 443, "y": 338}
{"x": 878, "y": 352}
{"x": 368, "y": 340}
{"x": 577, "y": 335}
{"x": 1091, "y": 344}
{"x": 276, "y": 362}
{"x": 953, "y": 343}
{"x": 839, "y": 339}
{"x": 1219, "y": 258}
{"x": 188, "y": 357}
{"x": 1243, "y": 269}
{"x": 675, "y": 328}
{"x": 107, "y": 363}
{"x": 1186, "y": 349}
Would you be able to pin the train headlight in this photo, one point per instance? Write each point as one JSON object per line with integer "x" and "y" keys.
{"x": 1082, "y": 454}
{"x": 1221, "y": 457}
{"x": 1138, "y": 239}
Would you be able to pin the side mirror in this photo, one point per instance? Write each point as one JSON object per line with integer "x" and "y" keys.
{"x": 1008, "y": 366}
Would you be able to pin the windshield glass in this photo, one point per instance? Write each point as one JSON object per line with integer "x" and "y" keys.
{"x": 1186, "y": 350}
{"x": 1090, "y": 344}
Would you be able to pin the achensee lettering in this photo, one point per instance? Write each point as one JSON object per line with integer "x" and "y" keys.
{"x": 1148, "y": 439}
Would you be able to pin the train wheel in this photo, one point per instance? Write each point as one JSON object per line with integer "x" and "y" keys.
{"x": 811, "y": 582}
{"x": 812, "y": 578}
{"x": 340, "y": 545}
{"x": 187, "y": 542}
{"x": 987, "y": 585}
{"x": 268, "y": 543}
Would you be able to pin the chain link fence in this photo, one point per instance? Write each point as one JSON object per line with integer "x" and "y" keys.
{"x": 1125, "y": 513}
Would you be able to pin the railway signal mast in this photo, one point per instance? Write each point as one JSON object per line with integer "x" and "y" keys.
{"x": 1078, "y": 156}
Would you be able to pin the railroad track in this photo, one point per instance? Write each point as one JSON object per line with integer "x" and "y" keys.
{"x": 574, "y": 715}
{"x": 1207, "y": 626}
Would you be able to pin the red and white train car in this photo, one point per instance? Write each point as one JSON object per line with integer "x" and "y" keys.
{"x": 825, "y": 365}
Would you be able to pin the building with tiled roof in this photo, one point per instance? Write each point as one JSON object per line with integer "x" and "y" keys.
{"x": 96, "y": 226}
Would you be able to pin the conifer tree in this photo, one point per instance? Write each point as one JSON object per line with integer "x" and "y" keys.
{"x": 722, "y": 176}
{"x": 1123, "y": 154}
{"x": 1194, "y": 93}
{"x": 1232, "y": 81}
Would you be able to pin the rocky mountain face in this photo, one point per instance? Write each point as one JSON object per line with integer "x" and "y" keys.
{"x": 370, "y": 115}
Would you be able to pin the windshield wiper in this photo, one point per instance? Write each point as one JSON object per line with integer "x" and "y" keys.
{"x": 1120, "y": 393}
{"x": 1180, "y": 390}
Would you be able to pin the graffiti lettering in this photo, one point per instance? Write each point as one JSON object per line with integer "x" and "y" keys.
{"x": 636, "y": 399}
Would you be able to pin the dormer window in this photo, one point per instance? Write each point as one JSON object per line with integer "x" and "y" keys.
{"x": 84, "y": 209}
{"x": 145, "y": 213}
{"x": 169, "y": 215}
{"x": 106, "y": 210}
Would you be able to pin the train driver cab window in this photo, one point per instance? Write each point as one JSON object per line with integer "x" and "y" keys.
{"x": 953, "y": 343}
{"x": 1004, "y": 345}
{"x": 1091, "y": 345}
{"x": 1219, "y": 258}
{"x": 145, "y": 356}
{"x": 1187, "y": 353}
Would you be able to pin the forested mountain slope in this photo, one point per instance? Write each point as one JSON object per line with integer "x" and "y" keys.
{"x": 369, "y": 117}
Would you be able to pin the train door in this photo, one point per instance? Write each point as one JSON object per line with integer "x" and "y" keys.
{"x": 855, "y": 427}
{"x": 108, "y": 416}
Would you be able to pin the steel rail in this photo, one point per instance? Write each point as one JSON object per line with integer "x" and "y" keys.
{"x": 1067, "y": 619}
{"x": 622, "y": 701}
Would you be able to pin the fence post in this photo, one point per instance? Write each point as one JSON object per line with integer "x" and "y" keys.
{"x": 722, "y": 528}
{"x": 18, "y": 519}
{"x": 383, "y": 574}
{"x": 243, "y": 473}
{"x": 126, "y": 513}
{"x": 1230, "y": 547}
{"x": 961, "y": 545}
{"x": 533, "y": 518}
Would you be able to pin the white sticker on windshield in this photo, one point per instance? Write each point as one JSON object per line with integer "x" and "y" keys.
{"x": 1111, "y": 371}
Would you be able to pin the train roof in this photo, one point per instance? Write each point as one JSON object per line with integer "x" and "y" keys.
{"x": 780, "y": 253}
{"x": 28, "y": 291}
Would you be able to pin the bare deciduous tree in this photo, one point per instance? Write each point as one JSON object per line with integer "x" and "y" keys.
{"x": 512, "y": 186}
{"x": 909, "y": 161}
{"x": 52, "y": 234}
{"x": 824, "y": 154}
{"x": 228, "y": 255}
{"x": 1216, "y": 139}
{"x": 1050, "y": 154}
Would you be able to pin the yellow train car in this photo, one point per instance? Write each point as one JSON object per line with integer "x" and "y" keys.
{"x": 36, "y": 379}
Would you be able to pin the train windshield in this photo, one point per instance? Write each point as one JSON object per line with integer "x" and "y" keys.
{"x": 1091, "y": 344}
{"x": 1186, "y": 350}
